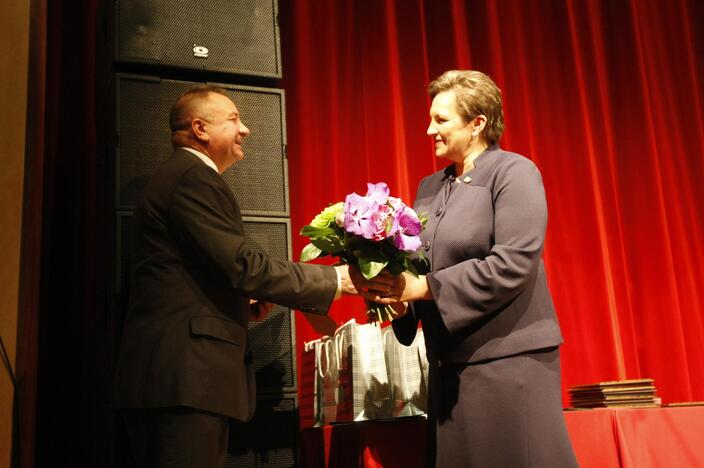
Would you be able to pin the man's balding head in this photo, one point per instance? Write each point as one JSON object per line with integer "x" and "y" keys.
{"x": 194, "y": 103}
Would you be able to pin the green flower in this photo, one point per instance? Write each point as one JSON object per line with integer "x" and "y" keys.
{"x": 328, "y": 215}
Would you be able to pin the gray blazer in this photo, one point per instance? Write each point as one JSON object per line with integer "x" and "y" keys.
{"x": 484, "y": 241}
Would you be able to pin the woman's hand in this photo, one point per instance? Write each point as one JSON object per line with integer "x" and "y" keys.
{"x": 404, "y": 288}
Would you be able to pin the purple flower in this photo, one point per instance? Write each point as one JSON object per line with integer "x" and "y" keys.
{"x": 377, "y": 216}
{"x": 408, "y": 230}
{"x": 381, "y": 223}
{"x": 365, "y": 217}
{"x": 397, "y": 204}
{"x": 378, "y": 192}
{"x": 358, "y": 210}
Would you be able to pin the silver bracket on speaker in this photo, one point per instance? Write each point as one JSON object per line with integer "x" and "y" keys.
{"x": 200, "y": 51}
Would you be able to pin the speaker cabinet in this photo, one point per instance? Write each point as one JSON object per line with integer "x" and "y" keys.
{"x": 233, "y": 44}
{"x": 269, "y": 440}
{"x": 239, "y": 37}
{"x": 272, "y": 341}
{"x": 259, "y": 182}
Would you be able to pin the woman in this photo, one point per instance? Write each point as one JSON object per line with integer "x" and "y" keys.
{"x": 490, "y": 327}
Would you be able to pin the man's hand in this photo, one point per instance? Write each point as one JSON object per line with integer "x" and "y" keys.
{"x": 259, "y": 310}
{"x": 353, "y": 282}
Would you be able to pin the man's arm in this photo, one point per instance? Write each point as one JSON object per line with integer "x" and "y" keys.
{"x": 207, "y": 222}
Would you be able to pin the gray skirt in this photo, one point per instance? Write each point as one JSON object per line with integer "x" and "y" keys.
{"x": 501, "y": 413}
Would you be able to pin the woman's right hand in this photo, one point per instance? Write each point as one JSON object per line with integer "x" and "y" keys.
{"x": 405, "y": 288}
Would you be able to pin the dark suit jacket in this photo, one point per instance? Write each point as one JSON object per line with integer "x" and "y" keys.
{"x": 484, "y": 241}
{"x": 185, "y": 336}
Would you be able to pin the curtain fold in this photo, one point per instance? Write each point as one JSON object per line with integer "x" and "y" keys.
{"x": 604, "y": 96}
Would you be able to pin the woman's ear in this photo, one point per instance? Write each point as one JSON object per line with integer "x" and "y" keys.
{"x": 478, "y": 124}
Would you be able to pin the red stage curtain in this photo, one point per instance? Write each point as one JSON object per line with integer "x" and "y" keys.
{"x": 605, "y": 96}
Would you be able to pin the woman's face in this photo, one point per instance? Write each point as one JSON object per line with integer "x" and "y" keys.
{"x": 452, "y": 134}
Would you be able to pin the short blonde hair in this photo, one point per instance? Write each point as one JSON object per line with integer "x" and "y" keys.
{"x": 475, "y": 94}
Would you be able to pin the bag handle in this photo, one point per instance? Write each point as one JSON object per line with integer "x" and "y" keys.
{"x": 385, "y": 334}
{"x": 323, "y": 348}
{"x": 339, "y": 341}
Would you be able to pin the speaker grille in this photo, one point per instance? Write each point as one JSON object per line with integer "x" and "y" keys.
{"x": 259, "y": 182}
{"x": 266, "y": 236}
{"x": 240, "y": 37}
{"x": 269, "y": 440}
{"x": 271, "y": 340}
{"x": 272, "y": 347}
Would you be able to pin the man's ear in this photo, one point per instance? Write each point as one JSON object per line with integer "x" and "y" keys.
{"x": 198, "y": 129}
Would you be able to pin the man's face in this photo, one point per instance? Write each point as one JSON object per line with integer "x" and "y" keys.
{"x": 225, "y": 130}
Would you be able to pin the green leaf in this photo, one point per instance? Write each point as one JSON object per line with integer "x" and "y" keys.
{"x": 315, "y": 232}
{"x": 330, "y": 244}
{"x": 310, "y": 252}
{"x": 371, "y": 268}
{"x": 412, "y": 269}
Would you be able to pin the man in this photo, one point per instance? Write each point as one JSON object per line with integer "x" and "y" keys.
{"x": 184, "y": 367}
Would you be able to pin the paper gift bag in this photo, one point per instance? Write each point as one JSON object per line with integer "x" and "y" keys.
{"x": 408, "y": 374}
{"x": 328, "y": 378}
{"x": 311, "y": 384}
{"x": 364, "y": 384}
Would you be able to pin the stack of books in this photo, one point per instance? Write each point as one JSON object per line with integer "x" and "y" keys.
{"x": 639, "y": 393}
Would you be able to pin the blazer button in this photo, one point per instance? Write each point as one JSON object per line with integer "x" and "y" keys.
{"x": 426, "y": 245}
{"x": 438, "y": 211}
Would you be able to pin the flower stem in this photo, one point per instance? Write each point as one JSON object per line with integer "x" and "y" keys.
{"x": 380, "y": 313}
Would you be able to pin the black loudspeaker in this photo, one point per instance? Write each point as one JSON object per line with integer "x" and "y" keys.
{"x": 189, "y": 43}
{"x": 272, "y": 340}
{"x": 259, "y": 182}
{"x": 238, "y": 37}
{"x": 269, "y": 440}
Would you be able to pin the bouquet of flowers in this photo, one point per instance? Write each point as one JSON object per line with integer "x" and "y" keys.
{"x": 372, "y": 232}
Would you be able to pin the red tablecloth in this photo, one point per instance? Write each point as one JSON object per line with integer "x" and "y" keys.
{"x": 602, "y": 438}
{"x": 660, "y": 437}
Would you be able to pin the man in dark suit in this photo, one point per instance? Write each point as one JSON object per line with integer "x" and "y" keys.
{"x": 184, "y": 366}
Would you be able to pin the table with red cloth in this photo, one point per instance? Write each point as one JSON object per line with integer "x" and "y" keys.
{"x": 602, "y": 438}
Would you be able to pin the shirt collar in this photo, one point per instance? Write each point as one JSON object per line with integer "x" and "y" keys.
{"x": 206, "y": 160}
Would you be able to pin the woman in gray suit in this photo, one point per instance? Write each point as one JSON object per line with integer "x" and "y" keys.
{"x": 490, "y": 327}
